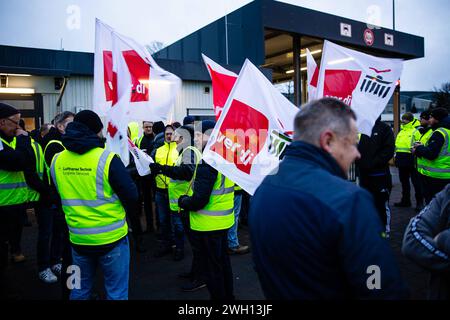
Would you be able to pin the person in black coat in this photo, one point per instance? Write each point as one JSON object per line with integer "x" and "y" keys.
{"x": 373, "y": 167}
{"x": 315, "y": 235}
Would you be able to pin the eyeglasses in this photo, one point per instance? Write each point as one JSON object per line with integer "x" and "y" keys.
{"x": 17, "y": 123}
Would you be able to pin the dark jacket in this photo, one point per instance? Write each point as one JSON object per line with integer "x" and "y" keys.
{"x": 427, "y": 242}
{"x": 202, "y": 187}
{"x": 433, "y": 148}
{"x": 78, "y": 138}
{"x": 23, "y": 159}
{"x": 157, "y": 142}
{"x": 54, "y": 148}
{"x": 376, "y": 151}
{"x": 146, "y": 143}
{"x": 314, "y": 234}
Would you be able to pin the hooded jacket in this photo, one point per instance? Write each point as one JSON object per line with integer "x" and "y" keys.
{"x": 316, "y": 235}
{"x": 80, "y": 139}
{"x": 427, "y": 242}
{"x": 433, "y": 148}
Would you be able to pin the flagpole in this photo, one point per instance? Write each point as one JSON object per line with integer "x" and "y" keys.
{"x": 226, "y": 38}
{"x": 393, "y": 15}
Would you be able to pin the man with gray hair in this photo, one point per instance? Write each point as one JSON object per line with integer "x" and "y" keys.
{"x": 316, "y": 235}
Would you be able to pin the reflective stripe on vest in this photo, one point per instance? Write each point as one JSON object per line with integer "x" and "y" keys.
{"x": 405, "y": 137}
{"x": 438, "y": 168}
{"x": 13, "y": 187}
{"x": 177, "y": 188}
{"x": 40, "y": 168}
{"x": 97, "y": 217}
{"x": 165, "y": 155}
{"x": 218, "y": 213}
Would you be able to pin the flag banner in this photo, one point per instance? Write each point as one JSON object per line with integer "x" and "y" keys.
{"x": 223, "y": 81}
{"x": 141, "y": 159}
{"x": 105, "y": 81}
{"x": 253, "y": 130}
{"x": 153, "y": 89}
{"x": 364, "y": 82}
{"x": 312, "y": 75}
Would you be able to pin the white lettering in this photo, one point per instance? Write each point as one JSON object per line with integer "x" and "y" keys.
{"x": 374, "y": 280}
{"x": 74, "y": 280}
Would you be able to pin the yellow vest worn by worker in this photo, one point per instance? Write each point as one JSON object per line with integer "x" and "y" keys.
{"x": 438, "y": 168}
{"x": 405, "y": 137}
{"x": 218, "y": 213}
{"x": 40, "y": 169}
{"x": 423, "y": 139}
{"x": 166, "y": 155}
{"x": 13, "y": 187}
{"x": 134, "y": 131}
{"x": 178, "y": 188}
{"x": 94, "y": 213}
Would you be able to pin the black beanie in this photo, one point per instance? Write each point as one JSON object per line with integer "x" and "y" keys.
{"x": 90, "y": 119}
{"x": 7, "y": 111}
{"x": 188, "y": 120}
{"x": 158, "y": 127}
{"x": 205, "y": 125}
{"x": 439, "y": 113}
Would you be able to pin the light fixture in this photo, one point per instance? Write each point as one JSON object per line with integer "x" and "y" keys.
{"x": 17, "y": 90}
{"x": 339, "y": 61}
{"x": 15, "y": 75}
{"x": 312, "y": 53}
{"x": 292, "y": 70}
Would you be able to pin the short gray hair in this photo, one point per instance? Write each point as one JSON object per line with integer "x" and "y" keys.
{"x": 319, "y": 115}
{"x": 61, "y": 117}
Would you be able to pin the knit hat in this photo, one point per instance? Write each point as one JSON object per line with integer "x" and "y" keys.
{"x": 205, "y": 125}
{"x": 7, "y": 111}
{"x": 408, "y": 116}
{"x": 90, "y": 119}
{"x": 158, "y": 127}
{"x": 188, "y": 120}
{"x": 439, "y": 113}
{"x": 425, "y": 115}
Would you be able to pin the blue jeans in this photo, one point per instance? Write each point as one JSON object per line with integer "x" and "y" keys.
{"x": 233, "y": 241}
{"x": 162, "y": 204}
{"x": 177, "y": 229}
{"x": 115, "y": 266}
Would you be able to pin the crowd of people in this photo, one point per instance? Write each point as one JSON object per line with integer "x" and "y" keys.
{"x": 314, "y": 234}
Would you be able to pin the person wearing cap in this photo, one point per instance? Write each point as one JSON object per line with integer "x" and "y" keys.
{"x": 420, "y": 136}
{"x": 96, "y": 194}
{"x": 167, "y": 154}
{"x": 434, "y": 154}
{"x": 17, "y": 177}
{"x": 145, "y": 143}
{"x": 404, "y": 161}
{"x": 182, "y": 176}
{"x": 211, "y": 215}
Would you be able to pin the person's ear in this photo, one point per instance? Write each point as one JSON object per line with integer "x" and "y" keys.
{"x": 326, "y": 140}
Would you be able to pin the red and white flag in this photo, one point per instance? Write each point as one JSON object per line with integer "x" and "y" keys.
{"x": 364, "y": 82}
{"x": 223, "y": 81}
{"x": 312, "y": 74}
{"x": 128, "y": 84}
{"x": 253, "y": 130}
{"x": 105, "y": 80}
{"x": 141, "y": 159}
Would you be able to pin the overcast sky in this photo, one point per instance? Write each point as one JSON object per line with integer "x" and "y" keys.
{"x": 43, "y": 23}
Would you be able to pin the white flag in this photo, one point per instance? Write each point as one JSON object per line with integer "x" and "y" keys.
{"x": 222, "y": 80}
{"x": 105, "y": 81}
{"x": 253, "y": 130}
{"x": 141, "y": 159}
{"x": 313, "y": 75}
{"x": 153, "y": 90}
{"x": 364, "y": 82}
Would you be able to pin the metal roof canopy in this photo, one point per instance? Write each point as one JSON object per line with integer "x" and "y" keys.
{"x": 241, "y": 34}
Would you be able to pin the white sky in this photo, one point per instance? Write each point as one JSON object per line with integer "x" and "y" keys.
{"x": 43, "y": 23}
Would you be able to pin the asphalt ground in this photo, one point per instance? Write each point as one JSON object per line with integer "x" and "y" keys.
{"x": 157, "y": 278}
